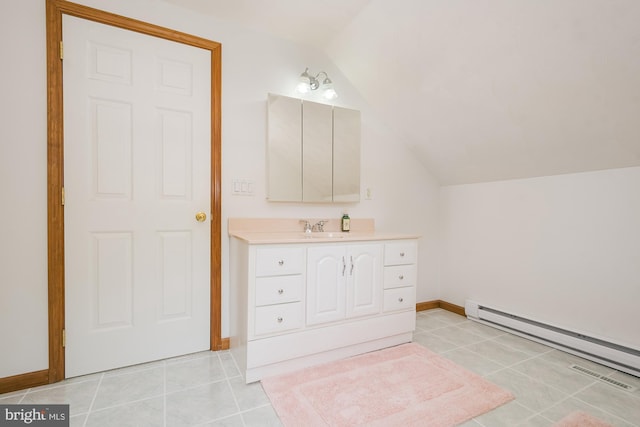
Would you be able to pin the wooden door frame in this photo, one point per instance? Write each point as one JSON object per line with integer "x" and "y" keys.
{"x": 55, "y": 166}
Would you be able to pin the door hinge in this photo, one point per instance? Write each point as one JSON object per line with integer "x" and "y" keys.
{"x": 64, "y": 338}
{"x": 61, "y": 50}
{"x": 62, "y": 196}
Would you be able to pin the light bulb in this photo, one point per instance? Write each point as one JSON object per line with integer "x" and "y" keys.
{"x": 303, "y": 87}
{"x": 330, "y": 93}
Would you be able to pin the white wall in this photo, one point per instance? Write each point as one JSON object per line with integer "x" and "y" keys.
{"x": 404, "y": 194}
{"x": 23, "y": 191}
{"x": 562, "y": 249}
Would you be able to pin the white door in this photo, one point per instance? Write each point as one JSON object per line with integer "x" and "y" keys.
{"x": 136, "y": 172}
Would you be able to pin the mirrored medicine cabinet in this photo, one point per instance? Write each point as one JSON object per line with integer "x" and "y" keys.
{"x": 313, "y": 151}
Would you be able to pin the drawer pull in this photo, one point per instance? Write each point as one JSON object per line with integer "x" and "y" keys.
{"x": 400, "y": 299}
{"x": 280, "y": 319}
{"x": 401, "y": 277}
{"x": 401, "y": 253}
{"x": 281, "y": 262}
{"x": 280, "y": 291}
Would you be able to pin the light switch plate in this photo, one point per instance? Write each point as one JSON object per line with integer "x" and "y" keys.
{"x": 242, "y": 187}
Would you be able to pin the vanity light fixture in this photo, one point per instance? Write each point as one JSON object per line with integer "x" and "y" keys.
{"x": 308, "y": 83}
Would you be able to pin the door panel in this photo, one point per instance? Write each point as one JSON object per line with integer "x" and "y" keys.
{"x": 137, "y": 169}
{"x": 364, "y": 282}
{"x": 326, "y": 269}
{"x": 112, "y": 279}
{"x": 174, "y": 274}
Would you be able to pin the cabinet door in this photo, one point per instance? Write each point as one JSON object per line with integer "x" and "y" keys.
{"x": 317, "y": 152}
{"x": 346, "y": 155}
{"x": 326, "y": 278}
{"x": 284, "y": 149}
{"x": 364, "y": 280}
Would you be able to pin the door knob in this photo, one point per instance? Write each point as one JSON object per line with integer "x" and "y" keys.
{"x": 201, "y": 216}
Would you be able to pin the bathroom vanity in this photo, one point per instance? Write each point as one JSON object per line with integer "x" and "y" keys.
{"x": 300, "y": 299}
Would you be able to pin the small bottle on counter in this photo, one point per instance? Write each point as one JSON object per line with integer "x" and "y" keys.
{"x": 346, "y": 222}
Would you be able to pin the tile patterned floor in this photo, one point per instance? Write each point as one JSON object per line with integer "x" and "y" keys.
{"x": 205, "y": 389}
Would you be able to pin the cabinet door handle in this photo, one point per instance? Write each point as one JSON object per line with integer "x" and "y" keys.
{"x": 400, "y": 299}
{"x": 279, "y": 319}
{"x": 401, "y": 253}
{"x": 281, "y": 262}
{"x": 280, "y": 291}
{"x": 401, "y": 277}
{"x": 344, "y": 266}
{"x": 351, "y": 272}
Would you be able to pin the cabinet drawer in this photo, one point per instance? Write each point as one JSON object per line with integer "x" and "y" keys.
{"x": 278, "y": 289}
{"x": 399, "y": 298}
{"x": 405, "y": 252}
{"x": 398, "y": 276}
{"x": 278, "y": 318}
{"x": 277, "y": 261}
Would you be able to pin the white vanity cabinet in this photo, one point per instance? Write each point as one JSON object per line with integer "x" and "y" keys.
{"x": 343, "y": 281}
{"x": 303, "y": 303}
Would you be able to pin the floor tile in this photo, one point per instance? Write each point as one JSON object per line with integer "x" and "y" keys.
{"x": 558, "y": 375}
{"x": 457, "y": 335}
{"x": 143, "y": 413}
{"x": 193, "y": 372}
{"x": 508, "y": 415}
{"x": 471, "y": 423}
{"x": 565, "y": 359}
{"x": 261, "y": 417}
{"x": 228, "y": 364}
{"x": 472, "y": 361}
{"x": 572, "y": 404}
{"x": 129, "y": 386}
{"x": 231, "y": 421}
{"x": 200, "y": 404}
{"x": 499, "y": 353}
{"x": 536, "y": 421}
{"x": 621, "y": 403}
{"x": 428, "y": 323}
{"x": 158, "y": 364}
{"x": 530, "y": 393}
{"x": 627, "y": 379}
{"x": 77, "y": 394}
{"x": 434, "y": 343}
{"x": 481, "y": 330}
{"x": 248, "y": 396}
{"x": 446, "y": 316}
{"x": 529, "y": 347}
{"x": 11, "y": 398}
{"x": 78, "y": 420}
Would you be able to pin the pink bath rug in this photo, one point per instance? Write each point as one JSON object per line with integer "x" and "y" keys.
{"x": 406, "y": 385}
{"x": 581, "y": 419}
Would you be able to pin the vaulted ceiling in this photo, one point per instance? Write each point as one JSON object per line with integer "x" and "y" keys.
{"x": 480, "y": 90}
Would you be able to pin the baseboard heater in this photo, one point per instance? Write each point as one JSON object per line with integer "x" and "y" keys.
{"x": 598, "y": 350}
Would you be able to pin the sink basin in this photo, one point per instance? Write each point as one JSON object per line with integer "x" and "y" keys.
{"x": 324, "y": 235}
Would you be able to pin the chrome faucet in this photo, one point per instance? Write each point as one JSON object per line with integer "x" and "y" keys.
{"x": 319, "y": 226}
{"x": 307, "y": 226}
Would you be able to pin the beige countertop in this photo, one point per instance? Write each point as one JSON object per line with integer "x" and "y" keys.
{"x": 272, "y": 231}
{"x": 258, "y": 237}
